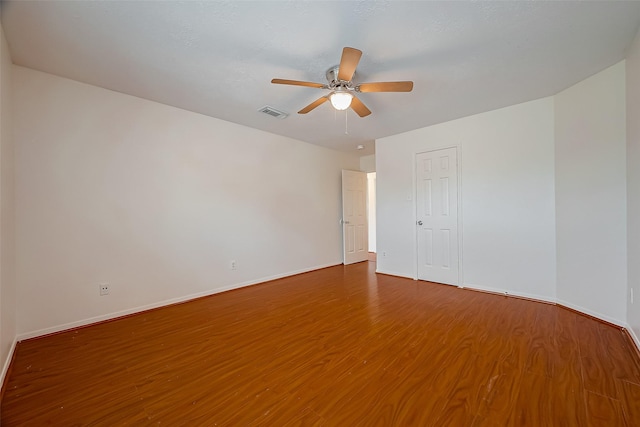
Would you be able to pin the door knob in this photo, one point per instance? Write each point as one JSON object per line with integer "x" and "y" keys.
{"x": 419, "y": 222}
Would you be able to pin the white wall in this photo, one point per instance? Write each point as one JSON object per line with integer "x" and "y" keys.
{"x": 7, "y": 265}
{"x": 591, "y": 195}
{"x": 368, "y": 163}
{"x": 633, "y": 185}
{"x": 156, "y": 201}
{"x": 507, "y": 198}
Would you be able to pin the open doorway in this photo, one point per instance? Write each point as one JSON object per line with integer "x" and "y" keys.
{"x": 371, "y": 213}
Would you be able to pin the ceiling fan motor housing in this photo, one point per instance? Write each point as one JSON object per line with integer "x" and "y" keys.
{"x": 334, "y": 82}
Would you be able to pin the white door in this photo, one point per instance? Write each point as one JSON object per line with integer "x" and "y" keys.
{"x": 354, "y": 216}
{"x": 437, "y": 216}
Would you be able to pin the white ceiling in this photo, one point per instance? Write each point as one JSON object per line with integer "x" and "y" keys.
{"x": 218, "y": 57}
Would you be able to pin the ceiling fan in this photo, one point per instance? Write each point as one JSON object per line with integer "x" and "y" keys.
{"x": 342, "y": 87}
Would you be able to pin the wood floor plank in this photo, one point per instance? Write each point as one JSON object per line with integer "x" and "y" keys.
{"x": 597, "y": 374}
{"x": 618, "y": 354}
{"x": 604, "y": 411}
{"x": 335, "y": 347}
{"x": 630, "y": 401}
{"x": 498, "y": 402}
{"x": 465, "y": 398}
{"x": 534, "y": 404}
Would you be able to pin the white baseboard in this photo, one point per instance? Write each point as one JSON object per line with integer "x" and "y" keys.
{"x": 634, "y": 337}
{"x": 115, "y": 315}
{"x": 547, "y": 299}
{"x": 592, "y": 313}
{"x": 509, "y": 292}
{"x": 7, "y": 362}
{"x": 109, "y": 316}
{"x": 393, "y": 273}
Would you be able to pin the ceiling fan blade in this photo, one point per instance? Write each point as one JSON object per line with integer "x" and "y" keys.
{"x": 385, "y": 87}
{"x": 359, "y": 107}
{"x": 313, "y": 105}
{"x": 348, "y": 63}
{"x": 297, "y": 83}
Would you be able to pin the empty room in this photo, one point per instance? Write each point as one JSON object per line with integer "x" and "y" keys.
{"x": 328, "y": 213}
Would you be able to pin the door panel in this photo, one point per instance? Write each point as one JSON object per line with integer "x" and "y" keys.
{"x": 437, "y": 216}
{"x": 354, "y": 217}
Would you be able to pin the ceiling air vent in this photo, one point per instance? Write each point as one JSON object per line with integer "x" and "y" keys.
{"x": 273, "y": 112}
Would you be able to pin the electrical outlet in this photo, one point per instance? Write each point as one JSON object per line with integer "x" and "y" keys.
{"x": 384, "y": 254}
{"x": 104, "y": 289}
{"x": 233, "y": 265}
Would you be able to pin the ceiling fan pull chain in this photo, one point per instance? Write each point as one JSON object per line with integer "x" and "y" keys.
{"x": 346, "y": 123}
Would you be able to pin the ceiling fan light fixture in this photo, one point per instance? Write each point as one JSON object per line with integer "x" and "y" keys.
{"x": 341, "y": 100}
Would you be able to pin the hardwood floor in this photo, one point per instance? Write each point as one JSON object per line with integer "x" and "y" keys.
{"x": 336, "y": 347}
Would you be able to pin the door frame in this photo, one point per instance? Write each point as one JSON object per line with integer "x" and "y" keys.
{"x": 458, "y": 149}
